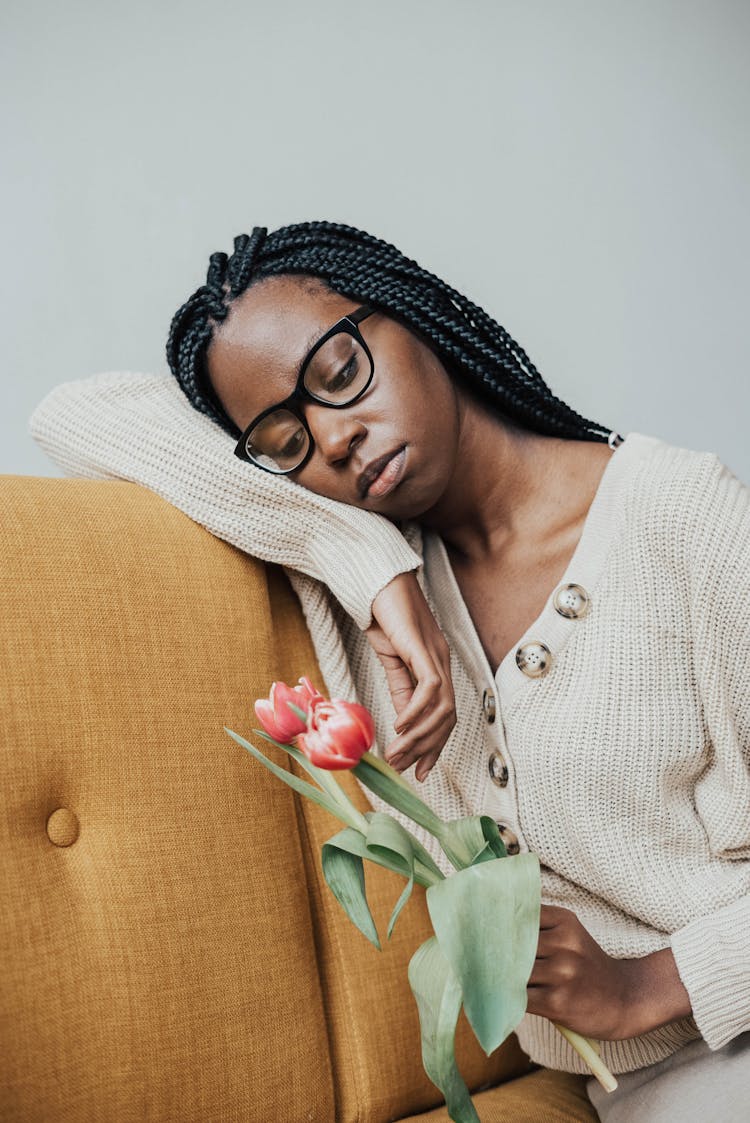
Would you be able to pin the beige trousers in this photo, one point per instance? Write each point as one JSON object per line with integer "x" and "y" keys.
{"x": 694, "y": 1085}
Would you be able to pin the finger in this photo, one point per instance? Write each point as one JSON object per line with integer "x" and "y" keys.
{"x": 432, "y": 746}
{"x": 401, "y": 688}
{"x": 538, "y": 1000}
{"x": 432, "y": 695}
{"x": 424, "y": 760}
{"x": 427, "y": 762}
{"x": 548, "y": 944}
{"x": 542, "y": 974}
{"x": 435, "y": 721}
{"x": 552, "y": 915}
{"x": 428, "y": 661}
{"x": 426, "y": 692}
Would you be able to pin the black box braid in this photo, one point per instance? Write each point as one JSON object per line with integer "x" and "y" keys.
{"x": 469, "y": 342}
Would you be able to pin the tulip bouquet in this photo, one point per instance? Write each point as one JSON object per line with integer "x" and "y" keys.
{"x": 485, "y": 916}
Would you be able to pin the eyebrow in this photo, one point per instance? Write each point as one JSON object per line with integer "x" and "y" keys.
{"x": 316, "y": 335}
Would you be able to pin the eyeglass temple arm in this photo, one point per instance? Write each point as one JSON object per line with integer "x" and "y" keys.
{"x": 360, "y": 314}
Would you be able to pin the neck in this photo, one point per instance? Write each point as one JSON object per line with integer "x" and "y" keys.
{"x": 511, "y": 486}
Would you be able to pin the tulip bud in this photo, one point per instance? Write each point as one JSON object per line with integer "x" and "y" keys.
{"x": 338, "y": 734}
{"x": 274, "y": 714}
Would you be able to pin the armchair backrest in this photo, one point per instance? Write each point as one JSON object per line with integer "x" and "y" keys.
{"x": 169, "y": 948}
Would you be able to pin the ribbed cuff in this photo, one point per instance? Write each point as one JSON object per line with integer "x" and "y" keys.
{"x": 359, "y": 563}
{"x": 713, "y": 960}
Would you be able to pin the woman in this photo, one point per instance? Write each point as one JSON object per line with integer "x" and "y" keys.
{"x": 555, "y": 617}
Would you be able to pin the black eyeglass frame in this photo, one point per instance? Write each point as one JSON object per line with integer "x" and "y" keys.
{"x": 349, "y": 325}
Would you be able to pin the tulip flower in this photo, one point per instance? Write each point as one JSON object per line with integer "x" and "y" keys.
{"x": 485, "y": 915}
{"x": 278, "y": 720}
{"x": 338, "y": 734}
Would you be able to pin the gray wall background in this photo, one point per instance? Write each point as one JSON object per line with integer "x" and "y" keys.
{"x": 579, "y": 168}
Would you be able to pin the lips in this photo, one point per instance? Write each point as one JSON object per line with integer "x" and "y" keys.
{"x": 373, "y": 470}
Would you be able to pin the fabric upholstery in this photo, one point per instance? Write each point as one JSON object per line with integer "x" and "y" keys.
{"x": 542, "y": 1096}
{"x": 375, "y": 1043}
{"x": 170, "y": 950}
{"x": 146, "y": 965}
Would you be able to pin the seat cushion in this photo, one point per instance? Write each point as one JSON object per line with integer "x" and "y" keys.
{"x": 540, "y": 1097}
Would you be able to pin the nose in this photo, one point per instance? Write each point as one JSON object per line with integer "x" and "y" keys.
{"x": 336, "y": 432}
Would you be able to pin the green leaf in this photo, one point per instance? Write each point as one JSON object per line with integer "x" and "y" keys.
{"x": 355, "y": 842}
{"x": 387, "y": 769}
{"x": 401, "y": 796}
{"x": 438, "y": 995}
{"x": 388, "y": 838}
{"x": 387, "y": 844}
{"x": 326, "y": 781}
{"x": 345, "y": 875}
{"x": 398, "y": 794}
{"x": 310, "y": 768}
{"x": 289, "y": 778}
{"x": 297, "y": 711}
{"x": 486, "y": 920}
{"x": 494, "y": 846}
{"x": 476, "y": 836}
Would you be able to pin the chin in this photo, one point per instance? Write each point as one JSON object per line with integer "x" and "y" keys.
{"x": 400, "y": 507}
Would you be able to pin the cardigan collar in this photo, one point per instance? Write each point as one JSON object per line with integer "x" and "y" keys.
{"x": 584, "y": 568}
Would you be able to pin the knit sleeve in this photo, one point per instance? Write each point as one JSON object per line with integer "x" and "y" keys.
{"x": 141, "y": 427}
{"x": 712, "y": 953}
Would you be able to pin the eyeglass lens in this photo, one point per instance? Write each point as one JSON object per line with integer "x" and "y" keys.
{"x": 337, "y": 372}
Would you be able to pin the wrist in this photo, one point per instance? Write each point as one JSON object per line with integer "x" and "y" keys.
{"x": 654, "y": 993}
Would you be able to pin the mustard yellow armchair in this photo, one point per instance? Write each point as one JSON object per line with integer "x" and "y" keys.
{"x": 169, "y": 950}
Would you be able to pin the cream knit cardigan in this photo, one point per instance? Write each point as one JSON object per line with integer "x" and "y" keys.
{"x": 628, "y": 762}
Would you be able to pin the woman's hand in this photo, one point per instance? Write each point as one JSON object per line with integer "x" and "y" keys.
{"x": 416, "y": 658}
{"x": 574, "y": 982}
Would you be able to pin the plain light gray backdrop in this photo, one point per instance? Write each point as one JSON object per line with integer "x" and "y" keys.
{"x": 577, "y": 167}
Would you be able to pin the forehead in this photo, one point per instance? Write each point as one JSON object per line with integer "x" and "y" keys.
{"x": 256, "y": 352}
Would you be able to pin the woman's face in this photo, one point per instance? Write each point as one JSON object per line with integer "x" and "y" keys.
{"x": 411, "y": 403}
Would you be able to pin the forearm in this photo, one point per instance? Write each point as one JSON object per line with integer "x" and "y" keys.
{"x": 140, "y": 427}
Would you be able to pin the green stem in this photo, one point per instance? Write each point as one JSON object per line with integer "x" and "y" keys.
{"x": 386, "y": 783}
{"x": 588, "y": 1051}
{"x": 425, "y": 876}
{"x": 330, "y": 784}
{"x": 387, "y": 769}
{"x": 325, "y": 780}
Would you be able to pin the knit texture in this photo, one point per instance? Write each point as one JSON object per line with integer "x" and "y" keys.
{"x": 628, "y": 762}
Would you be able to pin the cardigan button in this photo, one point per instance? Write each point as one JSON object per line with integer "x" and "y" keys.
{"x": 488, "y": 705}
{"x": 534, "y": 658}
{"x": 498, "y": 769}
{"x": 509, "y": 838}
{"x": 571, "y": 601}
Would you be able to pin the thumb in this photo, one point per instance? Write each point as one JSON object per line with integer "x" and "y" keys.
{"x": 398, "y": 676}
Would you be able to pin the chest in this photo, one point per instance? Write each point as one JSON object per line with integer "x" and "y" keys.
{"x": 505, "y": 597}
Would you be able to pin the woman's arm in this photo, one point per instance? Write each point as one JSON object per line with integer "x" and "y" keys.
{"x": 706, "y": 967}
{"x": 141, "y": 427}
{"x": 574, "y": 982}
{"x": 712, "y": 953}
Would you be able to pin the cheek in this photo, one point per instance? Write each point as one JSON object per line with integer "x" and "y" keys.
{"x": 320, "y": 479}
{"x": 433, "y": 416}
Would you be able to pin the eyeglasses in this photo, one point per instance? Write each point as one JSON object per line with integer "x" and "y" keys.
{"x": 336, "y": 371}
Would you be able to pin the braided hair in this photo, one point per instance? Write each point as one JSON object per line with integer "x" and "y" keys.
{"x": 470, "y": 343}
